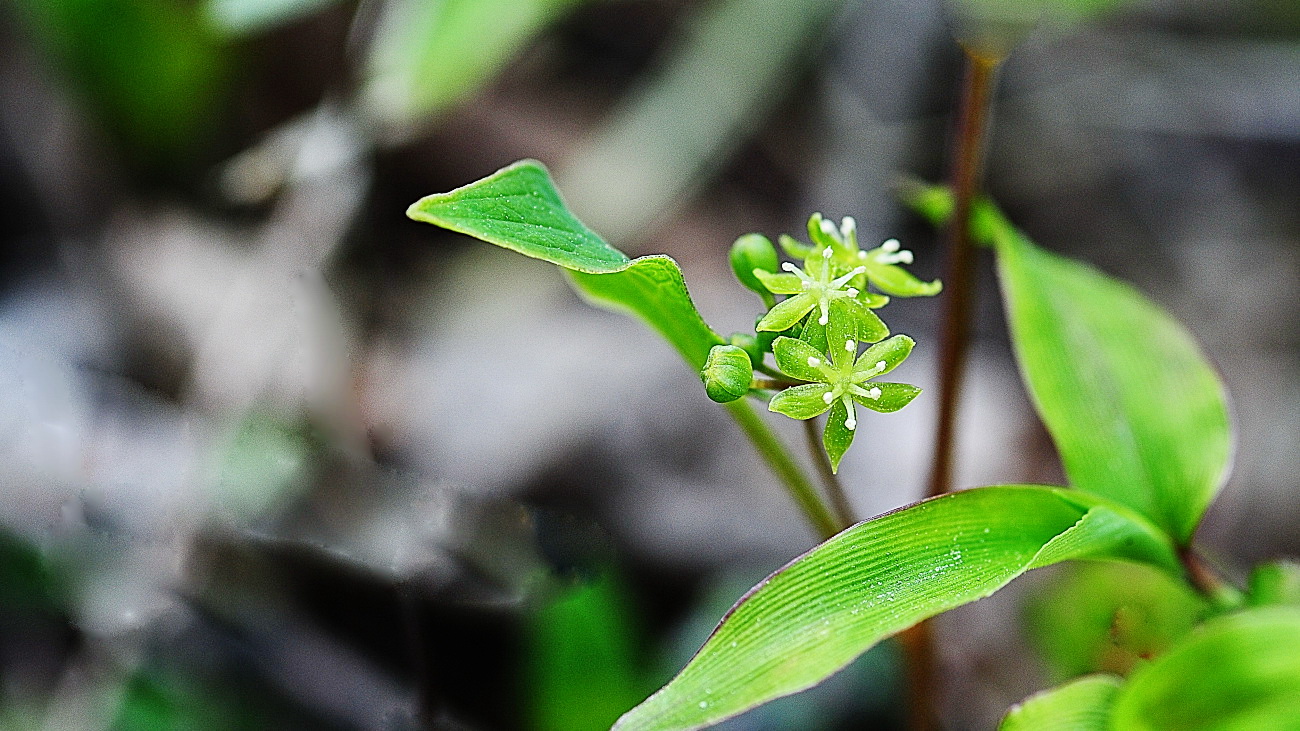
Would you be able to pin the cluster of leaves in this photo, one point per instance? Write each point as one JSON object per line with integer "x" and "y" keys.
{"x": 1137, "y": 414}
{"x": 814, "y": 333}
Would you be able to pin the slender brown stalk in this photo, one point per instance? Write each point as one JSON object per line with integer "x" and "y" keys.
{"x": 959, "y": 279}
{"x": 959, "y": 290}
{"x": 834, "y": 488}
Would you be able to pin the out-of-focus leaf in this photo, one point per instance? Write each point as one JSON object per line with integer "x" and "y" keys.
{"x": 582, "y": 659}
{"x": 1080, "y": 705}
{"x": 27, "y": 581}
{"x": 262, "y": 465}
{"x": 518, "y": 208}
{"x": 879, "y": 577}
{"x": 242, "y": 17}
{"x": 1240, "y": 672}
{"x": 1108, "y": 617}
{"x": 430, "y": 54}
{"x": 152, "y": 70}
{"x": 1277, "y": 582}
{"x": 1135, "y": 409}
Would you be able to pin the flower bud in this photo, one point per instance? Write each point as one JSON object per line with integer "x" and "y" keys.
{"x": 727, "y": 373}
{"x": 750, "y": 252}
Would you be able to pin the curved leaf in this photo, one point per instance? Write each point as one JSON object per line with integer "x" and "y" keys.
{"x": 519, "y": 208}
{"x": 1136, "y": 411}
{"x": 879, "y": 577}
{"x": 1080, "y": 705}
{"x": 1239, "y": 672}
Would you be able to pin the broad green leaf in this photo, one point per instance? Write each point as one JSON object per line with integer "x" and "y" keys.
{"x": 430, "y": 54}
{"x": 652, "y": 288}
{"x": 519, "y": 208}
{"x": 879, "y": 577}
{"x": 1136, "y": 412}
{"x": 1110, "y": 617}
{"x": 581, "y": 658}
{"x": 1239, "y": 672}
{"x": 1080, "y": 705}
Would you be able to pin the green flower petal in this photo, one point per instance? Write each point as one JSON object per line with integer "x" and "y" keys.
{"x": 892, "y": 396}
{"x": 891, "y": 352}
{"x": 837, "y": 437}
{"x": 862, "y": 324}
{"x": 801, "y": 402}
{"x": 873, "y": 300}
{"x": 798, "y": 359}
{"x": 794, "y": 248}
{"x": 894, "y": 279}
{"x": 787, "y": 313}
{"x": 779, "y": 283}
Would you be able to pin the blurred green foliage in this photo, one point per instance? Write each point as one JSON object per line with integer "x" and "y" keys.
{"x": 152, "y": 72}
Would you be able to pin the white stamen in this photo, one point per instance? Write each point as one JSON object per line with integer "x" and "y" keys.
{"x": 862, "y": 254}
{"x": 827, "y": 397}
{"x": 848, "y": 226}
{"x": 874, "y": 393}
{"x": 825, "y": 318}
{"x": 850, "y": 346}
{"x": 891, "y": 245}
{"x": 852, "y": 291}
{"x": 880, "y": 365}
{"x": 814, "y": 361}
{"x": 905, "y": 257}
{"x": 828, "y": 228}
{"x": 850, "y": 423}
{"x": 826, "y": 253}
{"x": 787, "y": 266}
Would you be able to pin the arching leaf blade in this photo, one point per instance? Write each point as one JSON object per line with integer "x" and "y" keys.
{"x": 1079, "y": 705}
{"x": 1238, "y": 672}
{"x": 1135, "y": 409}
{"x": 518, "y": 207}
{"x": 879, "y": 577}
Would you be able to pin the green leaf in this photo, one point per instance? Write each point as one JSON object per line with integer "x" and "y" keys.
{"x": 1277, "y": 582}
{"x": 581, "y": 658}
{"x": 241, "y": 17}
{"x": 1110, "y": 617}
{"x": 880, "y": 577}
{"x": 519, "y": 208}
{"x": 652, "y": 288}
{"x": 1080, "y": 705}
{"x": 429, "y": 55}
{"x": 1136, "y": 412}
{"x": 1239, "y": 672}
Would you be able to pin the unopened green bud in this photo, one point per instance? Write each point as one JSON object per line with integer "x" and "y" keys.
{"x": 727, "y": 373}
{"x": 750, "y": 252}
{"x": 750, "y": 345}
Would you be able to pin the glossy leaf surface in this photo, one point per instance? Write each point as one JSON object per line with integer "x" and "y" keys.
{"x": 519, "y": 208}
{"x": 1080, "y": 705}
{"x": 1135, "y": 409}
{"x": 879, "y": 577}
{"x": 1238, "y": 672}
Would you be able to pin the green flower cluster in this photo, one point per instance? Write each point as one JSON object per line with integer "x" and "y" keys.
{"x": 814, "y": 333}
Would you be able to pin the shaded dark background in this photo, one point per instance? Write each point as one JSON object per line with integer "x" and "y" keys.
{"x": 273, "y": 456}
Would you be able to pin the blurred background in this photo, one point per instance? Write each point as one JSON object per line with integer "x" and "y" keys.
{"x": 273, "y": 456}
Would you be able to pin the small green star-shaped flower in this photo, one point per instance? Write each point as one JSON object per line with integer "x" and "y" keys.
{"x": 819, "y": 286}
{"x": 840, "y": 382}
{"x": 881, "y": 265}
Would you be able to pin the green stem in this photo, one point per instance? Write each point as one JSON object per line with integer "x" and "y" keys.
{"x": 1205, "y": 579}
{"x": 834, "y": 488}
{"x": 782, "y": 464}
